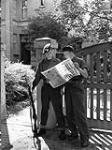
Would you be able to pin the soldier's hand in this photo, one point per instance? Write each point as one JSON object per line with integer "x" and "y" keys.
{"x": 76, "y": 65}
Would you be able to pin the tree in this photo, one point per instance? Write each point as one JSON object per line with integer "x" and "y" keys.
{"x": 47, "y": 26}
{"x": 88, "y": 19}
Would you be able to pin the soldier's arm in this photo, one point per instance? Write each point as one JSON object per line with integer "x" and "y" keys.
{"x": 83, "y": 72}
{"x": 82, "y": 69}
{"x": 37, "y": 77}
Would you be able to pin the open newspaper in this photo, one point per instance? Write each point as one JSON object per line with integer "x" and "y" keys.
{"x": 61, "y": 73}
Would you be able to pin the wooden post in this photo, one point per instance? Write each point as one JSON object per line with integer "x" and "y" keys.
{"x": 4, "y": 130}
{"x": 3, "y": 125}
{"x": 3, "y": 98}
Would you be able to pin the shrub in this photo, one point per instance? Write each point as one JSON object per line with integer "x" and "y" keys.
{"x": 16, "y": 86}
{"x": 47, "y": 26}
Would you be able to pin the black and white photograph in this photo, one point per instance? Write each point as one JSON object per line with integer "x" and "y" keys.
{"x": 56, "y": 75}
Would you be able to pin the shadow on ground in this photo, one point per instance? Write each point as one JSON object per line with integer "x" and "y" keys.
{"x": 52, "y": 141}
{"x": 18, "y": 131}
{"x": 98, "y": 141}
{"x": 5, "y": 142}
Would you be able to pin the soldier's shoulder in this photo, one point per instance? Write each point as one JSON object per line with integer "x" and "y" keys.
{"x": 40, "y": 63}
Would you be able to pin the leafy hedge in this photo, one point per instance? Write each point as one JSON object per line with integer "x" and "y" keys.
{"x": 16, "y": 86}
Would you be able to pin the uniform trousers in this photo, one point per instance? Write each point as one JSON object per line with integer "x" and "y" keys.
{"x": 74, "y": 98}
{"x": 51, "y": 94}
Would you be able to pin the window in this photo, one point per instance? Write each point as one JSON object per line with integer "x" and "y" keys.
{"x": 42, "y": 2}
{"x": 24, "y": 9}
{"x": 15, "y": 42}
{"x": 24, "y": 3}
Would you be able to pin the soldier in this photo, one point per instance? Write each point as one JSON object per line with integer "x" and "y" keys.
{"x": 48, "y": 93}
{"x": 74, "y": 98}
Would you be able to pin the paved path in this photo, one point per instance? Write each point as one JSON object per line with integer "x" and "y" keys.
{"x": 20, "y": 136}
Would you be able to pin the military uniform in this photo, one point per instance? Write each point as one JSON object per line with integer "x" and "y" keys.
{"x": 49, "y": 94}
{"x": 74, "y": 98}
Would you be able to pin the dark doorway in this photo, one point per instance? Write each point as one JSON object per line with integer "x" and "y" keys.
{"x": 25, "y": 50}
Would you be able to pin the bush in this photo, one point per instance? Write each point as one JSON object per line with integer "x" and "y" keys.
{"x": 16, "y": 86}
{"x": 47, "y": 26}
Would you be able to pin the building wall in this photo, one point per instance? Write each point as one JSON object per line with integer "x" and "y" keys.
{"x": 34, "y": 5}
{"x": 15, "y": 22}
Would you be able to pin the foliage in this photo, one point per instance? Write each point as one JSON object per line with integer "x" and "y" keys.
{"x": 73, "y": 41}
{"x": 16, "y": 86}
{"x": 89, "y": 19}
{"x": 47, "y": 26}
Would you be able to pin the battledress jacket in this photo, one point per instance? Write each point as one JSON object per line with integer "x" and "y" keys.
{"x": 78, "y": 81}
{"x": 44, "y": 65}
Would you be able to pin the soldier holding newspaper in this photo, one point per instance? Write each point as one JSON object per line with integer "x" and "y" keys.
{"x": 74, "y": 99}
{"x": 48, "y": 93}
{"x": 70, "y": 73}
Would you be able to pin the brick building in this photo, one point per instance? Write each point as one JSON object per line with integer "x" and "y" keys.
{"x": 15, "y": 19}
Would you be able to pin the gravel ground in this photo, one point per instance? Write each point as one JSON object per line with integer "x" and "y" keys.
{"x": 20, "y": 136}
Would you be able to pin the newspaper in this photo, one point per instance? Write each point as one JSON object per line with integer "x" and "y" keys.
{"x": 61, "y": 73}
